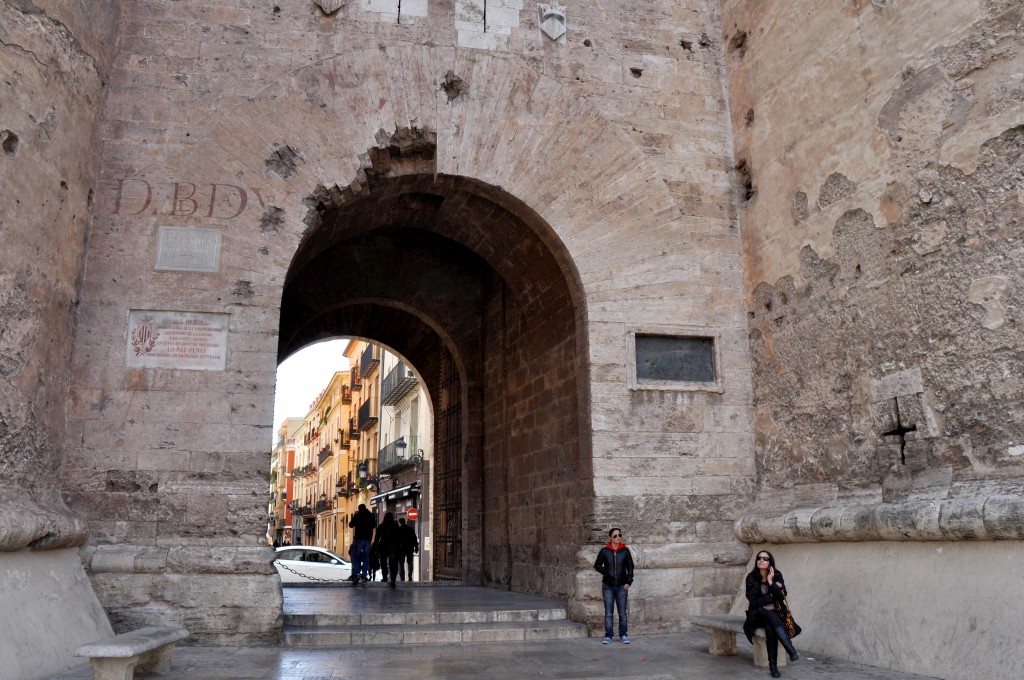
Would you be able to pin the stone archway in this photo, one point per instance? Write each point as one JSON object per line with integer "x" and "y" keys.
{"x": 338, "y": 153}
{"x": 441, "y": 272}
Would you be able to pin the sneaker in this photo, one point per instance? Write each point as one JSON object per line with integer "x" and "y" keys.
{"x": 624, "y": 639}
{"x": 606, "y": 641}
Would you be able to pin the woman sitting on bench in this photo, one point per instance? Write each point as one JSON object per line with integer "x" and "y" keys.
{"x": 766, "y": 591}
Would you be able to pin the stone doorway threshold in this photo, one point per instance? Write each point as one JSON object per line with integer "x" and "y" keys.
{"x": 377, "y": 615}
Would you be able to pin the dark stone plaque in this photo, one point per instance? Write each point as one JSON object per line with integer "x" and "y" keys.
{"x": 677, "y": 359}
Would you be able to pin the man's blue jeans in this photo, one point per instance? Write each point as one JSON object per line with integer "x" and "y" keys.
{"x": 615, "y": 596}
{"x": 361, "y": 559}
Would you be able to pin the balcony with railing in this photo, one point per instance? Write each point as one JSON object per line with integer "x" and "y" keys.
{"x": 355, "y": 382}
{"x": 366, "y": 417}
{"x": 369, "y": 360}
{"x": 399, "y": 382}
{"x": 353, "y": 429}
{"x": 323, "y": 506}
{"x": 342, "y": 440}
{"x": 346, "y": 395}
{"x": 348, "y": 487}
{"x": 398, "y": 454}
{"x": 325, "y": 453}
{"x": 304, "y": 470}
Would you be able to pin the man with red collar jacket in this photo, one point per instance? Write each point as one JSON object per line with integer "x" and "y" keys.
{"x": 615, "y": 564}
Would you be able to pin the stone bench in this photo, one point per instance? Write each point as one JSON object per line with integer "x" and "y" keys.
{"x": 722, "y": 631}
{"x": 116, "y": 658}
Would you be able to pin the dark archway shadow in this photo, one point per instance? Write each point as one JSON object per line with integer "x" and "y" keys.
{"x": 474, "y": 290}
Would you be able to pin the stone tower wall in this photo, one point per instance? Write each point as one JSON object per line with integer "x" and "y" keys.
{"x": 614, "y": 138}
{"x": 55, "y": 58}
{"x": 879, "y": 147}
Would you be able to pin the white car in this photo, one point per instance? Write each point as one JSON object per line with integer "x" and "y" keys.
{"x": 310, "y": 564}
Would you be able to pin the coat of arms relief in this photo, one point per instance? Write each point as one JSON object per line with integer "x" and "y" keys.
{"x": 552, "y": 21}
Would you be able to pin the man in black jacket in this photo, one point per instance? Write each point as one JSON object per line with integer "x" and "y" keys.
{"x": 408, "y": 544}
{"x": 363, "y": 522}
{"x": 615, "y": 564}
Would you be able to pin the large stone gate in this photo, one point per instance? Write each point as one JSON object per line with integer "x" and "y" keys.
{"x": 549, "y": 201}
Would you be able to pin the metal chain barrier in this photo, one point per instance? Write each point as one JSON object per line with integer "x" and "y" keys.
{"x": 312, "y": 578}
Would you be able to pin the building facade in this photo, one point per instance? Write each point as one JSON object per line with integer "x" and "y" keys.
{"x": 282, "y": 484}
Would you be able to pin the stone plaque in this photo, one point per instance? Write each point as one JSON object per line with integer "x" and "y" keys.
{"x": 678, "y": 359}
{"x": 900, "y": 384}
{"x": 188, "y": 249}
{"x": 195, "y": 341}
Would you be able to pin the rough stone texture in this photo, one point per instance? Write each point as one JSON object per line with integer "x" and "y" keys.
{"x": 883, "y": 312}
{"x": 55, "y": 57}
{"x": 55, "y": 60}
{"x": 907, "y": 263}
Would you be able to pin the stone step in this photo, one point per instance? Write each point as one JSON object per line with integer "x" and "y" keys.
{"x": 424, "y": 618}
{"x": 435, "y": 633}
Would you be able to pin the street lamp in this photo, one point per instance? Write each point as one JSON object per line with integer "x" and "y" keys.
{"x": 337, "y": 487}
{"x": 363, "y": 470}
{"x": 400, "y": 445}
{"x": 323, "y": 498}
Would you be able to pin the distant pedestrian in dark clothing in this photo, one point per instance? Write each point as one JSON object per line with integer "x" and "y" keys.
{"x": 386, "y": 542}
{"x": 363, "y": 522}
{"x": 615, "y": 564}
{"x": 408, "y": 544}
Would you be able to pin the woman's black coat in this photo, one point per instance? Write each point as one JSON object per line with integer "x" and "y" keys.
{"x": 756, "y": 599}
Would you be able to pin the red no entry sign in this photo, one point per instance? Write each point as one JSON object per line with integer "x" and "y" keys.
{"x": 413, "y": 513}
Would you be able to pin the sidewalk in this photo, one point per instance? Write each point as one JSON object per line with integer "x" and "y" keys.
{"x": 656, "y": 657}
{"x": 649, "y": 657}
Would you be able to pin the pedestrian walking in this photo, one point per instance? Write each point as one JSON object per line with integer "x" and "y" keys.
{"x": 766, "y": 593}
{"x": 408, "y": 545}
{"x": 615, "y": 564}
{"x": 363, "y": 523}
{"x": 386, "y": 541}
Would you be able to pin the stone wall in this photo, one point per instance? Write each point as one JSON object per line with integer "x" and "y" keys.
{"x": 879, "y": 160}
{"x": 882, "y": 224}
{"x": 56, "y": 60}
{"x": 261, "y": 121}
{"x": 55, "y": 57}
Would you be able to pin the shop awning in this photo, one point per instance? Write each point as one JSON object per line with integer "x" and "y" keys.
{"x": 400, "y": 492}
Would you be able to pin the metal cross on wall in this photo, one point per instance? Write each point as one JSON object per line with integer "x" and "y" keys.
{"x": 901, "y": 432}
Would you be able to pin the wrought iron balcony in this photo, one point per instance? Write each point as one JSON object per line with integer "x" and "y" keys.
{"x": 355, "y": 382}
{"x": 304, "y": 511}
{"x": 353, "y": 431}
{"x": 369, "y": 360}
{"x": 323, "y": 506}
{"x": 400, "y": 382}
{"x": 346, "y": 395}
{"x": 325, "y": 453}
{"x": 398, "y": 454}
{"x": 342, "y": 440}
{"x": 366, "y": 418}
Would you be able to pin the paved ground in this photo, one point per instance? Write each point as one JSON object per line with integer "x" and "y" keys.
{"x": 650, "y": 657}
{"x": 657, "y": 657}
